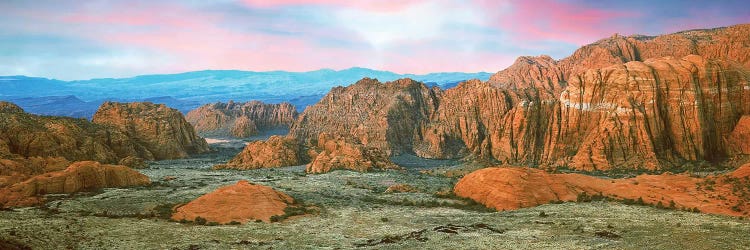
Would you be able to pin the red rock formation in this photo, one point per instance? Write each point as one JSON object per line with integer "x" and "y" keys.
{"x": 513, "y": 188}
{"x": 739, "y": 138}
{"x": 242, "y": 202}
{"x": 79, "y": 176}
{"x": 240, "y": 119}
{"x": 26, "y": 135}
{"x": 619, "y": 103}
{"x": 277, "y": 151}
{"x": 161, "y": 130}
{"x": 378, "y": 115}
{"x": 346, "y": 153}
{"x": 21, "y": 169}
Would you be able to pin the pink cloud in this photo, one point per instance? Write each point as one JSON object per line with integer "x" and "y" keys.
{"x": 372, "y": 5}
{"x": 555, "y": 21}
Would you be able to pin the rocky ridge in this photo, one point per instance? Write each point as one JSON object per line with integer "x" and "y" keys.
{"x": 240, "y": 120}
{"x": 163, "y": 131}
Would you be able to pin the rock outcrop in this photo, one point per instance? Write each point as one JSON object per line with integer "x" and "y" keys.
{"x": 240, "y": 119}
{"x": 242, "y": 202}
{"x": 163, "y": 131}
{"x": 79, "y": 176}
{"x": 277, "y": 151}
{"x": 514, "y": 188}
{"x": 337, "y": 152}
{"x": 378, "y": 115}
{"x": 25, "y": 135}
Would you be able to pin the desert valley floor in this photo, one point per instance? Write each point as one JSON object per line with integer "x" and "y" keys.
{"x": 351, "y": 210}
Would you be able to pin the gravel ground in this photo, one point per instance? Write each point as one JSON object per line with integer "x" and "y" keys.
{"x": 354, "y": 213}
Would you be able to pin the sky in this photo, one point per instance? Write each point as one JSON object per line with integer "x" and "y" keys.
{"x": 71, "y": 40}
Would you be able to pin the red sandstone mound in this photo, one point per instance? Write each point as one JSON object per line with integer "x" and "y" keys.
{"x": 241, "y": 202}
{"x": 240, "y": 119}
{"x": 338, "y": 152}
{"x": 79, "y": 176}
{"x": 277, "y": 151}
{"x": 162, "y": 130}
{"x": 513, "y": 188}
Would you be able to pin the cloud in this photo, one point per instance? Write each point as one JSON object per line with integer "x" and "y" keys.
{"x": 84, "y": 39}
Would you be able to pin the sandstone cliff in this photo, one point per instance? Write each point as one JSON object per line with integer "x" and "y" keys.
{"x": 79, "y": 176}
{"x": 163, "y": 131}
{"x": 240, "y": 119}
{"x": 513, "y": 188}
{"x": 242, "y": 202}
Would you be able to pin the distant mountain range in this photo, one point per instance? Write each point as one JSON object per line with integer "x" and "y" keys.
{"x": 189, "y": 90}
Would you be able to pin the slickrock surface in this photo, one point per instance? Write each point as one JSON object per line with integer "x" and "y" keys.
{"x": 161, "y": 130}
{"x": 79, "y": 176}
{"x": 240, "y": 119}
{"x": 242, "y": 202}
{"x": 277, "y": 151}
{"x": 514, "y": 188}
{"x": 346, "y": 153}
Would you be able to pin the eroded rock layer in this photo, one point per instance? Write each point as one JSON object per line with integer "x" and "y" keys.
{"x": 514, "y": 188}
{"x": 242, "y": 202}
{"x": 240, "y": 119}
{"x": 163, "y": 131}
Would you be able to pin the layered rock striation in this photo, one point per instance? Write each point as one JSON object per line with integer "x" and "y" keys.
{"x": 241, "y": 120}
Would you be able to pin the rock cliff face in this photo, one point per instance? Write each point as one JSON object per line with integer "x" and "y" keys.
{"x": 241, "y": 119}
{"x": 513, "y": 188}
{"x": 163, "y": 131}
{"x": 242, "y": 202}
{"x": 277, "y": 151}
{"x": 79, "y": 176}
